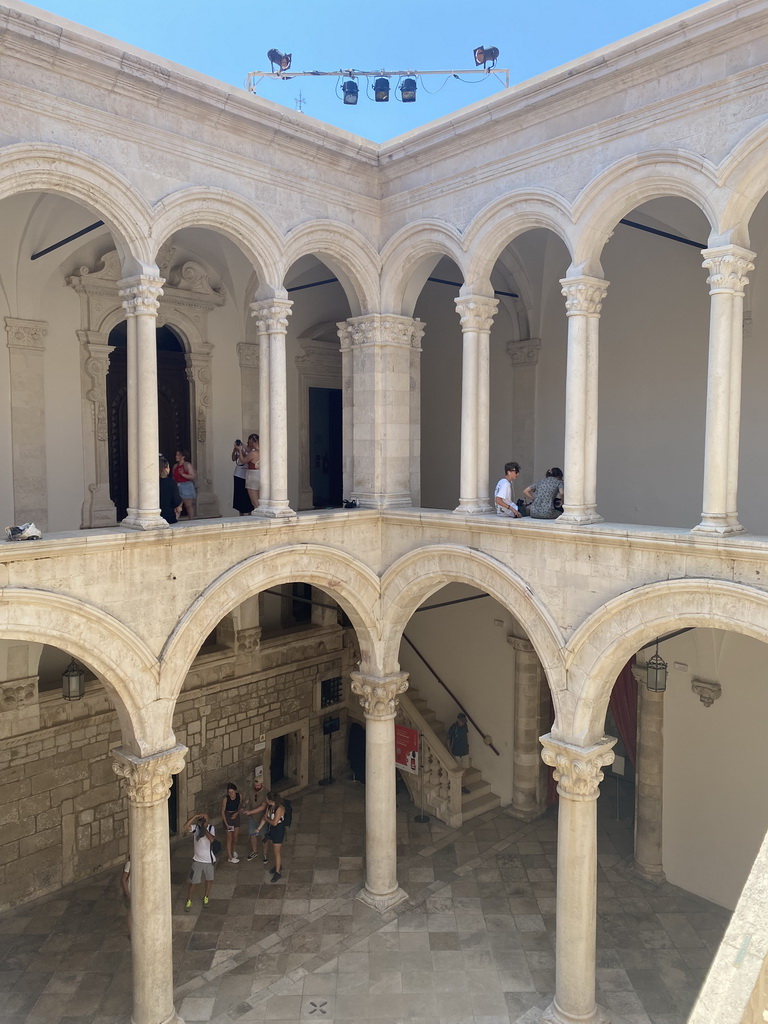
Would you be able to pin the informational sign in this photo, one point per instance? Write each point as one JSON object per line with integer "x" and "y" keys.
{"x": 407, "y": 749}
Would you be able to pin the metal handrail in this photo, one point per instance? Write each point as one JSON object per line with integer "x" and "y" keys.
{"x": 486, "y": 737}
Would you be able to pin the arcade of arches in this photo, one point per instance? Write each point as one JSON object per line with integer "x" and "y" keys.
{"x": 396, "y": 322}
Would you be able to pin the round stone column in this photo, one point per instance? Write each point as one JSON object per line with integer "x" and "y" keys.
{"x": 578, "y": 775}
{"x": 649, "y": 781}
{"x": 527, "y": 792}
{"x": 149, "y": 782}
{"x": 476, "y": 313}
{"x": 378, "y": 697}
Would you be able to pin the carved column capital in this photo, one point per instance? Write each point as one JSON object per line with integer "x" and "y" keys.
{"x": 584, "y": 295}
{"x": 271, "y": 315}
{"x": 728, "y": 266}
{"x": 148, "y": 778}
{"x": 524, "y": 352}
{"x": 380, "y": 329}
{"x": 141, "y": 295}
{"x": 248, "y": 354}
{"x": 518, "y": 643}
{"x": 26, "y": 334}
{"x": 18, "y": 694}
{"x": 476, "y": 312}
{"x": 378, "y": 695}
{"x": 577, "y": 769}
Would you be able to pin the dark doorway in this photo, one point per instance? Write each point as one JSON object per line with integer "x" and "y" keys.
{"x": 173, "y": 806}
{"x": 277, "y": 761}
{"x": 325, "y": 469}
{"x": 172, "y": 406}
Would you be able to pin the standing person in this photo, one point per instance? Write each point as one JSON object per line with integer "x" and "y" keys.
{"x": 547, "y": 495}
{"x": 250, "y": 457}
{"x": 273, "y": 816}
{"x": 241, "y": 502}
{"x": 457, "y": 742}
{"x": 230, "y": 816}
{"x": 255, "y": 815}
{"x": 170, "y": 499}
{"x": 184, "y": 473}
{"x": 504, "y": 496}
{"x": 203, "y": 859}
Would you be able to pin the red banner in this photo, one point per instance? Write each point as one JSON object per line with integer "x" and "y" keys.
{"x": 407, "y": 748}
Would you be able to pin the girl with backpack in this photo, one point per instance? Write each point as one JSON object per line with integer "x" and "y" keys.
{"x": 275, "y": 819}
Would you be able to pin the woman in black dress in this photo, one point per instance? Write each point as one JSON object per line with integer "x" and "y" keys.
{"x": 273, "y": 816}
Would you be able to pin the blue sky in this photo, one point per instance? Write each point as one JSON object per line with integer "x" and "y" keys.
{"x": 231, "y": 38}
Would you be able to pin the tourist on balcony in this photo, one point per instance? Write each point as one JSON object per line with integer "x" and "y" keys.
{"x": 250, "y": 457}
{"x": 546, "y": 496}
{"x": 504, "y": 496}
{"x": 184, "y": 475}
{"x": 170, "y": 499}
{"x": 241, "y": 502}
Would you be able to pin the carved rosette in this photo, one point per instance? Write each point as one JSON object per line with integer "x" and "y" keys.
{"x": 578, "y": 771}
{"x": 378, "y": 696}
{"x": 141, "y": 295}
{"x": 26, "y": 334}
{"x": 149, "y": 778}
{"x": 728, "y": 266}
{"x": 378, "y": 329}
{"x": 584, "y": 295}
{"x": 476, "y": 314}
{"x": 18, "y": 694}
{"x": 272, "y": 316}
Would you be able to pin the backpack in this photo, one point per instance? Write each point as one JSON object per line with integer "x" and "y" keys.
{"x": 215, "y": 848}
{"x": 287, "y": 813}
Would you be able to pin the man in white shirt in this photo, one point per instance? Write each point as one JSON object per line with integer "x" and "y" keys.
{"x": 504, "y": 496}
{"x": 203, "y": 859}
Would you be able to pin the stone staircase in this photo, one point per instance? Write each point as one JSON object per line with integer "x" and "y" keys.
{"x": 455, "y": 806}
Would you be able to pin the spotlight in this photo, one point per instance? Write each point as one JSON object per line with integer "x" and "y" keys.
{"x": 381, "y": 90}
{"x": 349, "y": 89}
{"x": 408, "y": 90}
{"x": 283, "y": 60}
{"x": 484, "y": 54}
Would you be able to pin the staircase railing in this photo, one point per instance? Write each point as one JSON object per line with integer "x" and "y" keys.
{"x": 441, "y": 775}
{"x": 486, "y": 737}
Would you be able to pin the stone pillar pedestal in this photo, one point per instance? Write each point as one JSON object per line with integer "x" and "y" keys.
{"x": 583, "y": 302}
{"x": 476, "y": 313}
{"x": 140, "y": 297}
{"x": 528, "y": 793}
{"x": 377, "y": 353}
{"x": 26, "y": 347}
{"x": 272, "y": 323}
{"x": 578, "y": 775}
{"x": 649, "y": 780}
{"x": 728, "y": 267}
{"x": 378, "y": 697}
{"x": 149, "y": 782}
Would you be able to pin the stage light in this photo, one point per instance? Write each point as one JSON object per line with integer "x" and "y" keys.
{"x": 283, "y": 60}
{"x": 408, "y": 90}
{"x": 349, "y": 89}
{"x": 484, "y": 54}
{"x": 381, "y": 90}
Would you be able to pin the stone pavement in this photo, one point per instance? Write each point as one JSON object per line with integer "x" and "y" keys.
{"x": 473, "y": 945}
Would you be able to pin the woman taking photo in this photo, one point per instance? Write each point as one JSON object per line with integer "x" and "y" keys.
{"x": 250, "y": 457}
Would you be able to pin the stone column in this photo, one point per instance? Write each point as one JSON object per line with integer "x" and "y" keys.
{"x": 476, "y": 313}
{"x": 583, "y": 302}
{"x": 728, "y": 266}
{"x": 149, "y": 782}
{"x": 98, "y": 508}
{"x": 199, "y": 376}
{"x": 525, "y": 358}
{"x": 649, "y": 780}
{"x": 527, "y": 792}
{"x": 578, "y": 775}
{"x": 140, "y": 297}
{"x": 272, "y": 323}
{"x": 26, "y": 345}
{"x": 380, "y": 350}
{"x": 378, "y": 697}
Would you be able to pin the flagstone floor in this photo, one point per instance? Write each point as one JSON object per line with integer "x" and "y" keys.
{"x": 474, "y": 944}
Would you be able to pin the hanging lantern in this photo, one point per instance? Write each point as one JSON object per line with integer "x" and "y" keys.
{"x": 656, "y": 673}
{"x": 73, "y": 682}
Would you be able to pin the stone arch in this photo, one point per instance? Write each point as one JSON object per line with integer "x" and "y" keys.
{"x": 601, "y": 646}
{"x": 249, "y": 229}
{"x": 348, "y": 581}
{"x": 411, "y": 579}
{"x": 49, "y": 168}
{"x": 505, "y": 219}
{"x": 408, "y": 258}
{"x": 744, "y": 173}
{"x": 346, "y": 252}
{"x": 120, "y": 659}
{"x": 631, "y": 182}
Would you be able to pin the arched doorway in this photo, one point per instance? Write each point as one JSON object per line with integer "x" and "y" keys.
{"x": 172, "y": 406}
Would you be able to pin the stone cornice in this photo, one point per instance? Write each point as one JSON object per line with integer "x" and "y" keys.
{"x": 26, "y": 334}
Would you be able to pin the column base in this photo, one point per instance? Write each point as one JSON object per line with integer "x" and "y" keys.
{"x": 382, "y": 501}
{"x": 473, "y": 507}
{"x": 98, "y": 509}
{"x": 274, "y": 512}
{"x": 525, "y": 813}
{"x": 579, "y": 516}
{"x": 655, "y": 875}
{"x": 382, "y": 903}
{"x": 144, "y": 520}
{"x": 723, "y": 525}
{"x": 555, "y": 1015}
{"x": 173, "y": 1019}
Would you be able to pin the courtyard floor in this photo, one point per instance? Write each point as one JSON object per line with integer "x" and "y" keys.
{"x": 474, "y": 944}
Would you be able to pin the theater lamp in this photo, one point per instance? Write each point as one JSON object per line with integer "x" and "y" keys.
{"x": 73, "y": 682}
{"x": 283, "y": 60}
{"x": 656, "y": 673}
{"x": 408, "y": 90}
{"x": 381, "y": 90}
{"x": 350, "y": 90}
{"x": 484, "y": 54}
